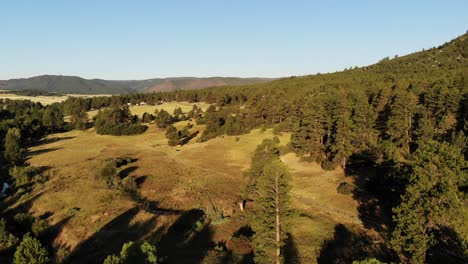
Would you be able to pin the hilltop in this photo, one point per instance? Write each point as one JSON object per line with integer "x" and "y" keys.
{"x": 78, "y": 85}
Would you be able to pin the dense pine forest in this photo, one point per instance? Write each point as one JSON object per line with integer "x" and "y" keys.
{"x": 400, "y": 125}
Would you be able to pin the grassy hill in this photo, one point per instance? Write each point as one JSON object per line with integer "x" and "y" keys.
{"x": 77, "y": 85}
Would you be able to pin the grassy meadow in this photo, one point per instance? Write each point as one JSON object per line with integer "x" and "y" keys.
{"x": 46, "y": 100}
{"x": 173, "y": 182}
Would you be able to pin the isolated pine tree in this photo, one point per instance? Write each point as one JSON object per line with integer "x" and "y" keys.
{"x": 172, "y": 135}
{"x": 271, "y": 212}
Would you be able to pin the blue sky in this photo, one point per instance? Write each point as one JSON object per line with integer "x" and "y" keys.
{"x": 136, "y": 39}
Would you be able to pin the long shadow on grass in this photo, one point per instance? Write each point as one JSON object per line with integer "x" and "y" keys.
{"x": 188, "y": 240}
{"x": 378, "y": 189}
{"x": 46, "y": 141}
{"x": 110, "y": 238}
{"x": 126, "y": 172}
{"x": 40, "y": 151}
{"x": 346, "y": 246}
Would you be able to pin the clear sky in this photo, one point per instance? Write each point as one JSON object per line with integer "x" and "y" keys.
{"x": 137, "y": 39}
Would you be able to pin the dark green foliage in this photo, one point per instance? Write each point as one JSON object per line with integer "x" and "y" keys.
{"x": 269, "y": 187}
{"x": 24, "y": 175}
{"x": 328, "y": 165}
{"x": 108, "y": 172}
{"x": 117, "y": 122}
{"x": 52, "y": 119}
{"x": 133, "y": 252}
{"x": 147, "y": 118}
{"x": 7, "y": 240}
{"x": 264, "y": 154}
{"x": 432, "y": 203}
{"x": 79, "y": 119}
{"x": 163, "y": 119}
{"x": 172, "y": 135}
{"x": 31, "y": 251}
{"x": 345, "y": 188}
{"x": 13, "y": 151}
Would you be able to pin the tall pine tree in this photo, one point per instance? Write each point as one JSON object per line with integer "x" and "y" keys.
{"x": 271, "y": 212}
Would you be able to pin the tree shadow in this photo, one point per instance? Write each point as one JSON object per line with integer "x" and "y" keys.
{"x": 239, "y": 248}
{"x": 347, "y": 246}
{"x": 50, "y": 140}
{"x": 110, "y": 238}
{"x": 188, "y": 240}
{"x": 378, "y": 189}
{"x": 449, "y": 248}
{"x": 291, "y": 254}
{"x": 40, "y": 151}
{"x": 140, "y": 180}
{"x": 127, "y": 171}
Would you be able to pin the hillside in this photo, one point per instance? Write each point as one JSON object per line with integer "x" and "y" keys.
{"x": 375, "y": 167}
{"x": 77, "y": 85}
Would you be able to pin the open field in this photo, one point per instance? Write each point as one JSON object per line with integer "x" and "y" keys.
{"x": 46, "y": 100}
{"x": 139, "y": 110}
{"x": 174, "y": 182}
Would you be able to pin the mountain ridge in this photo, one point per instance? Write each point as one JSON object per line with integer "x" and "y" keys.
{"x": 78, "y": 85}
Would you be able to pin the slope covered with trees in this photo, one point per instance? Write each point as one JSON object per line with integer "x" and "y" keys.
{"x": 399, "y": 126}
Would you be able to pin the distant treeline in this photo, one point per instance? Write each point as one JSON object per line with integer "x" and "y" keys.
{"x": 32, "y": 92}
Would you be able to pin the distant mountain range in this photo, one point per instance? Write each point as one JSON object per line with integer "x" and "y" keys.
{"x": 77, "y": 85}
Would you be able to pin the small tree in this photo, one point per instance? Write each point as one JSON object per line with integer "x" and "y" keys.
{"x": 172, "y": 135}
{"x": 52, "y": 119}
{"x": 13, "y": 151}
{"x": 30, "y": 251}
{"x": 79, "y": 119}
{"x": 132, "y": 252}
{"x": 7, "y": 240}
{"x": 163, "y": 119}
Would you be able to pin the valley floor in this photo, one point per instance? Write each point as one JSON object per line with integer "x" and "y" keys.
{"x": 91, "y": 220}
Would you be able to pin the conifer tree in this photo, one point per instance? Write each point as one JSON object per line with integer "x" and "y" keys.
{"x": 432, "y": 202}
{"x": 52, "y": 119}
{"x": 172, "y": 135}
{"x": 30, "y": 251}
{"x": 400, "y": 120}
{"x": 163, "y": 119}
{"x": 13, "y": 151}
{"x": 271, "y": 212}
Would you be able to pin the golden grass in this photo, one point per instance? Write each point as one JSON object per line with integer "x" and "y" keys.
{"x": 195, "y": 175}
{"x": 46, "y": 100}
{"x": 139, "y": 110}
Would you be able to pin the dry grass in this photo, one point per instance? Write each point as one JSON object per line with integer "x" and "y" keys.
{"x": 196, "y": 175}
{"x": 46, "y": 100}
{"x": 139, "y": 110}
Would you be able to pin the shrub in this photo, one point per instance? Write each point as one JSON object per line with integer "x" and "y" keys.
{"x": 345, "y": 188}
{"x": 7, "y": 240}
{"x": 24, "y": 220}
{"x": 30, "y": 251}
{"x": 129, "y": 184}
{"x": 108, "y": 172}
{"x": 134, "y": 252}
{"x": 39, "y": 227}
{"x": 328, "y": 165}
{"x": 24, "y": 174}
